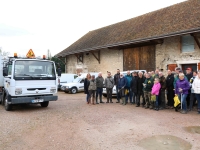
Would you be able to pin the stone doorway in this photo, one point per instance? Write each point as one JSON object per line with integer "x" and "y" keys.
{"x": 192, "y": 66}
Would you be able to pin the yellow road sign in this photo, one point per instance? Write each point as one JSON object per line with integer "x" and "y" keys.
{"x": 30, "y": 54}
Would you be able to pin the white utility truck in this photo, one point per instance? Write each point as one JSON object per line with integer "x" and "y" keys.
{"x": 27, "y": 80}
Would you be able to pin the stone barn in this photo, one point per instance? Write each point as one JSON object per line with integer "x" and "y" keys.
{"x": 162, "y": 39}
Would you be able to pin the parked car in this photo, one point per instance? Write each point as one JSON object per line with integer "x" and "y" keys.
{"x": 66, "y": 78}
{"x": 114, "y": 92}
{"x": 77, "y": 85}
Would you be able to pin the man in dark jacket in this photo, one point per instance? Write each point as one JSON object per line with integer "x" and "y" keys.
{"x": 170, "y": 89}
{"x": 133, "y": 87}
{"x": 116, "y": 78}
{"x": 121, "y": 88}
{"x": 189, "y": 75}
{"x": 148, "y": 84}
{"x": 161, "y": 99}
{"x": 99, "y": 85}
{"x": 135, "y": 75}
{"x": 140, "y": 92}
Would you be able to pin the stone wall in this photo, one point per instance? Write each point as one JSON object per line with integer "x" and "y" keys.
{"x": 170, "y": 53}
{"x": 110, "y": 60}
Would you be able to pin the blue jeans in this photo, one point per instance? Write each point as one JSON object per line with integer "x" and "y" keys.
{"x": 118, "y": 96}
{"x": 130, "y": 94}
{"x": 183, "y": 101}
{"x": 157, "y": 100}
{"x": 87, "y": 97}
{"x": 198, "y": 101}
{"x": 99, "y": 93}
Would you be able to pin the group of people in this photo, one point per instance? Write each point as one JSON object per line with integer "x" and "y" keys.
{"x": 151, "y": 86}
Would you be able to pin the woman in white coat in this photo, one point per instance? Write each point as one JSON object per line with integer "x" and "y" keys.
{"x": 196, "y": 88}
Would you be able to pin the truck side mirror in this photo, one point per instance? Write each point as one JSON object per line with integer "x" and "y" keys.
{"x": 5, "y": 71}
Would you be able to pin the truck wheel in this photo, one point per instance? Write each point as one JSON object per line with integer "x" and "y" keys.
{"x": 74, "y": 90}
{"x": 8, "y": 107}
{"x": 44, "y": 104}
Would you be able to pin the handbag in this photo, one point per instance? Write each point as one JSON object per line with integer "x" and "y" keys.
{"x": 176, "y": 101}
{"x": 153, "y": 98}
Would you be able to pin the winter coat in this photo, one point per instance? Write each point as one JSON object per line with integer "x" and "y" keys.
{"x": 149, "y": 84}
{"x": 189, "y": 76}
{"x": 156, "y": 88}
{"x": 196, "y": 85}
{"x": 162, "y": 83}
{"x": 92, "y": 85}
{"x": 176, "y": 78}
{"x": 183, "y": 84}
{"x": 140, "y": 82}
{"x": 122, "y": 82}
{"x": 86, "y": 85}
{"x": 116, "y": 78}
{"x": 99, "y": 82}
{"x": 169, "y": 82}
{"x": 128, "y": 78}
{"x": 133, "y": 85}
{"x": 109, "y": 82}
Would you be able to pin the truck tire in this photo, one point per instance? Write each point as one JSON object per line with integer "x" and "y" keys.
{"x": 44, "y": 104}
{"x": 8, "y": 107}
{"x": 74, "y": 90}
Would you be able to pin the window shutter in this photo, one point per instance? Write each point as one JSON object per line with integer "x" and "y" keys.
{"x": 198, "y": 66}
{"x": 172, "y": 67}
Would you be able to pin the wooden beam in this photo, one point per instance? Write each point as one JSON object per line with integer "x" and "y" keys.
{"x": 97, "y": 57}
{"x": 79, "y": 58}
{"x": 196, "y": 39}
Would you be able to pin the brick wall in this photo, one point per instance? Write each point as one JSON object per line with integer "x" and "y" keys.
{"x": 110, "y": 60}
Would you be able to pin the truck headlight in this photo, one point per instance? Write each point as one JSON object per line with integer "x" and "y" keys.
{"x": 18, "y": 91}
{"x": 53, "y": 90}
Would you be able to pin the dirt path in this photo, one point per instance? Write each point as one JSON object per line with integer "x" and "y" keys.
{"x": 70, "y": 123}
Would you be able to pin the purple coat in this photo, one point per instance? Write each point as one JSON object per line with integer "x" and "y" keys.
{"x": 183, "y": 84}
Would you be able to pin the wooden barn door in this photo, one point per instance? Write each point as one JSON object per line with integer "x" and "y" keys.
{"x": 140, "y": 58}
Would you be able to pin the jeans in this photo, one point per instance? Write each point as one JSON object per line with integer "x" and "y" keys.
{"x": 99, "y": 93}
{"x": 129, "y": 95}
{"x": 198, "y": 101}
{"x": 157, "y": 100}
{"x": 109, "y": 94}
{"x": 183, "y": 101}
{"x": 87, "y": 97}
{"x": 117, "y": 91}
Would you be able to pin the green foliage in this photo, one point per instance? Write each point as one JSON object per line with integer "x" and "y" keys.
{"x": 59, "y": 61}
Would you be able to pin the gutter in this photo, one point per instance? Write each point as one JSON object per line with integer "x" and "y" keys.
{"x": 133, "y": 41}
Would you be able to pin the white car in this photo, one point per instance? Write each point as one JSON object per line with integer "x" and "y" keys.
{"x": 77, "y": 85}
{"x": 66, "y": 78}
{"x": 114, "y": 92}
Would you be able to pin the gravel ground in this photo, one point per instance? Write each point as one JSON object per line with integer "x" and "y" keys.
{"x": 70, "y": 124}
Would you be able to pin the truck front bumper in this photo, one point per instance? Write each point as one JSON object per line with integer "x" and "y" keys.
{"x": 31, "y": 99}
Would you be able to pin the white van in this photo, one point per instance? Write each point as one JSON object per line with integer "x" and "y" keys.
{"x": 66, "y": 78}
{"x": 77, "y": 85}
{"x": 114, "y": 92}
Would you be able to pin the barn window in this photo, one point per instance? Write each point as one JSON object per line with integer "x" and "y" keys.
{"x": 187, "y": 43}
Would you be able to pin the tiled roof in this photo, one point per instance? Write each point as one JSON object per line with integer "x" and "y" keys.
{"x": 180, "y": 17}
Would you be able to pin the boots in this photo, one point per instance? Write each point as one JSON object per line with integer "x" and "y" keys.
{"x": 101, "y": 99}
{"x": 93, "y": 101}
{"x": 97, "y": 100}
{"x": 111, "y": 101}
{"x": 123, "y": 101}
{"x": 107, "y": 100}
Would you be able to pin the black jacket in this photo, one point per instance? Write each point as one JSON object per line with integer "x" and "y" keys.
{"x": 116, "y": 78}
{"x": 140, "y": 82}
{"x": 170, "y": 82}
{"x": 189, "y": 76}
{"x": 133, "y": 85}
{"x": 86, "y": 85}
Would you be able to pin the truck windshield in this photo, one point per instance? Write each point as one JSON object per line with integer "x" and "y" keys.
{"x": 34, "y": 69}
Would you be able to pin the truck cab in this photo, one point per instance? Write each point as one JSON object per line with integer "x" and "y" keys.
{"x": 27, "y": 80}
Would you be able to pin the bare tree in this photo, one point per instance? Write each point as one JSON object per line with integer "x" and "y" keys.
{"x": 4, "y": 53}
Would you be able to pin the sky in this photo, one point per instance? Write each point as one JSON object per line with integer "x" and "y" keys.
{"x": 54, "y": 25}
